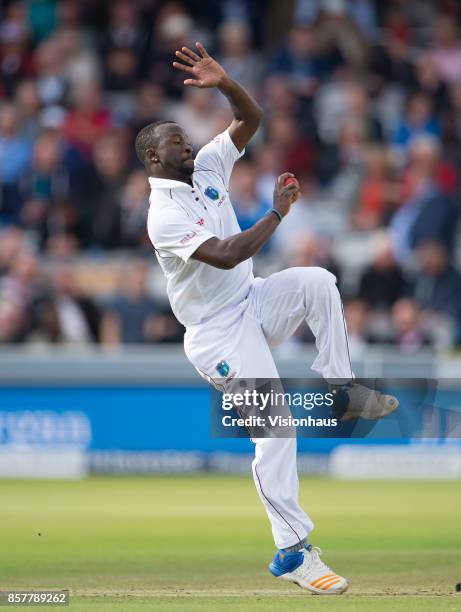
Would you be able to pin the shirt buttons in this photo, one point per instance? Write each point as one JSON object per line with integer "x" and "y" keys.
{"x": 196, "y": 199}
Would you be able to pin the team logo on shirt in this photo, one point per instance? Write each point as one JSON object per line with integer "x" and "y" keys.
{"x": 212, "y": 193}
{"x": 223, "y": 368}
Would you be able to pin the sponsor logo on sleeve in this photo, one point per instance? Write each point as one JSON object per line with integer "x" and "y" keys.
{"x": 188, "y": 237}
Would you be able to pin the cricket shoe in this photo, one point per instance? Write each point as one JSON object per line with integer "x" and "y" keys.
{"x": 355, "y": 401}
{"x": 307, "y": 570}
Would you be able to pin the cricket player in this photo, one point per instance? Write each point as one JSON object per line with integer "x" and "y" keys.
{"x": 232, "y": 318}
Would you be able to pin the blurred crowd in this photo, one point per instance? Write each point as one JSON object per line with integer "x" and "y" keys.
{"x": 361, "y": 99}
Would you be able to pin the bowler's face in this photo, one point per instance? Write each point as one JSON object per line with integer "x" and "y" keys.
{"x": 174, "y": 150}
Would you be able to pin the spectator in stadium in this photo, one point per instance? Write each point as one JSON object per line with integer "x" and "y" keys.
{"x": 134, "y": 203}
{"x": 50, "y": 74}
{"x": 120, "y": 76}
{"x": 437, "y": 217}
{"x": 63, "y": 244}
{"x": 343, "y": 107}
{"x": 377, "y": 191}
{"x": 20, "y": 288}
{"x": 43, "y": 325}
{"x": 235, "y": 53}
{"x": 391, "y": 62}
{"x": 446, "y": 54}
{"x": 294, "y": 150}
{"x": 437, "y": 289}
{"x": 28, "y": 106}
{"x": 88, "y": 120}
{"x": 382, "y": 283}
{"x": 77, "y": 315}
{"x": 125, "y": 29}
{"x": 12, "y": 320}
{"x": 454, "y": 116}
{"x": 346, "y": 164}
{"x": 362, "y": 12}
{"x": 150, "y": 105}
{"x": 44, "y": 186}
{"x": 301, "y": 62}
{"x": 80, "y": 63}
{"x": 279, "y": 97}
{"x": 69, "y": 15}
{"x": 428, "y": 81}
{"x": 98, "y": 194}
{"x": 12, "y": 243}
{"x": 358, "y": 107}
{"x": 15, "y": 151}
{"x": 419, "y": 120}
{"x": 339, "y": 36}
{"x": 426, "y": 213}
{"x": 356, "y": 315}
{"x": 364, "y": 15}
{"x": 60, "y": 314}
{"x": 132, "y": 316}
{"x": 267, "y": 162}
{"x": 172, "y": 30}
{"x": 407, "y": 328}
{"x": 41, "y": 17}
{"x": 15, "y": 61}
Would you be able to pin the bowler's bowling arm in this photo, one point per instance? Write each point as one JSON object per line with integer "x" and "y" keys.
{"x": 228, "y": 253}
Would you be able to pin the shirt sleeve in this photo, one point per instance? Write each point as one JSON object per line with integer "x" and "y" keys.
{"x": 173, "y": 232}
{"x": 219, "y": 156}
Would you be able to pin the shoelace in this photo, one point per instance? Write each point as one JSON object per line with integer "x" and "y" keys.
{"x": 315, "y": 565}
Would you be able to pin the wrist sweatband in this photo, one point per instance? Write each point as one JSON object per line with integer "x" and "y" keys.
{"x": 277, "y": 213}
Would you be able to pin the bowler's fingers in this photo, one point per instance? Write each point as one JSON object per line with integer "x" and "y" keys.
{"x": 201, "y": 48}
{"x": 194, "y": 82}
{"x": 291, "y": 189}
{"x": 283, "y": 178}
{"x": 183, "y": 67}
{"x": 185, "y": 58}
{"x": 191, "y": 54}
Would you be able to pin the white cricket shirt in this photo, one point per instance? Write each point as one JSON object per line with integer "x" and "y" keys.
{"x": 181, "y": 217}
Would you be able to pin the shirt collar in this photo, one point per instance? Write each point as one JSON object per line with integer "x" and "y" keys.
{"x": 160, "y": 183}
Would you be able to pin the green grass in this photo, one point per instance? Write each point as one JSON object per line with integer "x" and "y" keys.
{"x": 202, "y": 543}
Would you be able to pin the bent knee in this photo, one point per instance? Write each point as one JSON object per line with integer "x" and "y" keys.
{"x": 317, "y": 275}
{"x": 325, "y": 275}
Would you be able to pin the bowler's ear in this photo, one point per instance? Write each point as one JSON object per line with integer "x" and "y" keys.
{"x": 152, "y": 156}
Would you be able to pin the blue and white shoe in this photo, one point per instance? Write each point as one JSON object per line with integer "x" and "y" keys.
{"x": 307, "y": 570}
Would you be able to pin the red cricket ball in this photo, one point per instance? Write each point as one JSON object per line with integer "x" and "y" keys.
{"x": 291, "y": 180}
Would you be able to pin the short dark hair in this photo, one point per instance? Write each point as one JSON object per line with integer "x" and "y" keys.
{"x": 147, "y": 138}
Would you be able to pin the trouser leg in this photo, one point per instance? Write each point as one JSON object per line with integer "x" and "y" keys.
{"x": 274, "y": 466}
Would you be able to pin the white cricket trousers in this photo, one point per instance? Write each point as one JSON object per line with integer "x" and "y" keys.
{"x": 242, "y": 336}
